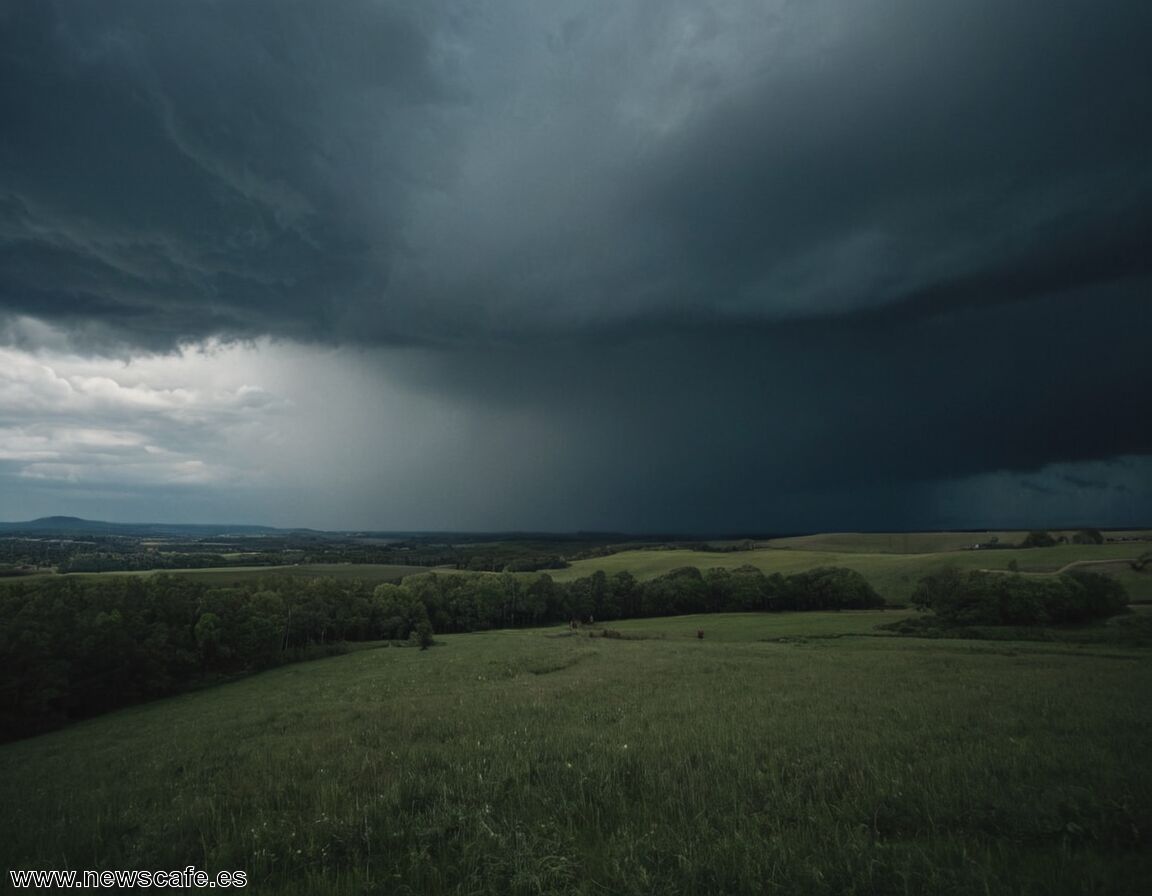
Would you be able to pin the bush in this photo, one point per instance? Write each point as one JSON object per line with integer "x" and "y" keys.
{"x": 829, "y": 588}
{"x": 423, "y": 635}
{"x": 1038, "y": 539}
{"x": 986, "y": 598}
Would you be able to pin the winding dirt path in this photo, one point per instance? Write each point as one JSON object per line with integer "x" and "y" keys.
{"x": 1068, "y": 566}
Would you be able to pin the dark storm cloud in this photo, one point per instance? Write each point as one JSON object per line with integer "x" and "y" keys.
{"x": 738, "y": 426}
{"x": 179, "y": 169}
{"x": 946, "y": 155}
{"x": 396, "y": 172}
{"x": 734, "y": 251}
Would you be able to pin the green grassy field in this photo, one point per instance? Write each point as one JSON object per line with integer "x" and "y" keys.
{"x": 890, "y": 542}
{"x": 893, "y": 575}
{"x": 918, "y": 542}
{"x": 546, "y": 761}
{"x": 761, "y": 627}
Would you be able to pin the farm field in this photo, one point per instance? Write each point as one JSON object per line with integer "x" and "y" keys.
{"x": 920, "y": 542}
{"x": 546, "y": 761}
{"x": 890, "y": 542}
{"x": 893, "y": 575}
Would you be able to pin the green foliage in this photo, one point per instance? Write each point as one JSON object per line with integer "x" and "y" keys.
{"x": 1091, "y": 596}
{"x": 423, "y": 634}
{"x": 1038, "y": 539}
{"x": 987, "y": 598}
{"x": 75, "y": 647}
{"x": 828, "y": 588}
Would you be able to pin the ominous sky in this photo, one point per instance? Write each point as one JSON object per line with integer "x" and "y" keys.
{"x": 670, "y": 265}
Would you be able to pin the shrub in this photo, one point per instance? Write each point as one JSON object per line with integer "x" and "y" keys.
{"x": 985, "y": 598}
{"x": 1038, "y": 539}
{"x": 829, "y": 588}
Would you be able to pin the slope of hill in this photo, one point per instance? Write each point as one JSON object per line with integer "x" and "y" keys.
{"x": 923, "y": 542}
{"x": 548, "y": 762}
{"x": 893, "y": 575}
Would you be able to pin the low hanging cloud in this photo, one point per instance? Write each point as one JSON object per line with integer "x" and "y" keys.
{"x": 737, "y": 262}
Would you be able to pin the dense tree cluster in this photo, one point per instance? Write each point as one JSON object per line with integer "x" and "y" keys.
{"x": 1038, "y": 539}
{"x": 504, "y": 563}
{"x": 459, "y": 603}
{"x": 32, "y": 553}
{"x": 103, "y": 552}
{"x": 989, "y": 598}
{"x": 74, "y": 647}
{"x": 109, "y": 561}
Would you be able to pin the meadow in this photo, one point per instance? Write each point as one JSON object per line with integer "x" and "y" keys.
{"x": 784, "y": 753}
{"x": 923, "y": 542}
{"x": 893, "y": 575}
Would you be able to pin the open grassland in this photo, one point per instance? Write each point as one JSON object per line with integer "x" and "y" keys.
{"x": 919, "y": 542}
{"x": 549, "y": 762}
{"x": 891, "y": 542}
{"x": 761, "y": 626}
{"x": 894, "y": 576}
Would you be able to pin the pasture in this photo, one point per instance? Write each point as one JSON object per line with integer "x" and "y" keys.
{"x": 893, "y": 575}
{"x": 920, "y": 542}
{"x": 546, "y": 761}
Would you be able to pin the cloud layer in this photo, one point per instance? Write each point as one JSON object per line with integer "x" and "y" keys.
{"x": 682, "y": 263}
{"x": 406, "y": 172}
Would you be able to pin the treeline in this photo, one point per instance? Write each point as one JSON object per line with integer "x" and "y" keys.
{"x": 71, "y": 648}
{"x": 33, "y": 552}
{"x": 1041, "y": 538}
{"x": 142, "y": 561}
{"x": 958, "y": 598}
{"x": 461, "y": 603}
{"x": 499, "y": 563}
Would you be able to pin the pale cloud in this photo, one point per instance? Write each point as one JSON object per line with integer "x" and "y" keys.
{"x": 197, "y": 383}
{"x": 367, "y": 439}
{"x": 175, "y": 419}
{"x": 175, "y": 473}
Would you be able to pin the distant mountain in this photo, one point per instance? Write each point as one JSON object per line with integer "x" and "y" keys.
{"x": 71, "y": 525}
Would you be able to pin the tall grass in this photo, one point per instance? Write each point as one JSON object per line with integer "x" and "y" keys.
{"x": 551, "y": 762}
